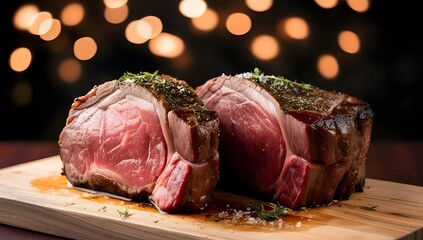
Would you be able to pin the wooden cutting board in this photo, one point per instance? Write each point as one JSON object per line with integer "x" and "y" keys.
{"x": 35, "y": 196}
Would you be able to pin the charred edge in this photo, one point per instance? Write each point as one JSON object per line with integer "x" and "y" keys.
{"x": 294, "y": 95}
{"x": 177, "y": 94}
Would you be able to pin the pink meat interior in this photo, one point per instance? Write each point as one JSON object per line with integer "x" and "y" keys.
{"x": 120, "y": 142}
{"x": 249, "y": 136}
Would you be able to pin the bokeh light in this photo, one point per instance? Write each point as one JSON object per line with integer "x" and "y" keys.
{"x": 144, "y": 29}
{"x": 36, "y": 22}
{"x": 192, "y": 8}
{"x": 22, "y": 17}
{"x": 167, "y": 45}
{"x": 54, "y": 30}
{"x": 206, "y": 22}
{"x": 72, "y": 14}
{"x": 328, "y": 66}
{"x": 70, "y": 70}
{"x": 131, "y": 33}
{"x": 155, "y": 24}
{"x": 114, "y": 3}
{"x": 238, "y": 23}
{"x": 45, "y": 26}
{"x": 296, "y": 28}
{"x": 326, "y": 4}
{"x": 85, "y": 48}
{"x": 359, "y": 5}
{"x": 265, "y": 47}
{"x": 116, "y": 15}
{"x": 349, "y": 42}
{"x": 20, "y": 59}
{"x": 259, "y": 5}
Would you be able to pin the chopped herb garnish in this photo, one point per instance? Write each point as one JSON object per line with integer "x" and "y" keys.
{"x": 124, "y": 214}
{"x": 278, "y": 81}
{"x": 269, "y": 215}
{"x": 176, "y": 94}
{"x": 69, "y": 203}
{"x": 103, "y": 209}
{"x": 139, "y": 78}
{"x": 293, "y": 95}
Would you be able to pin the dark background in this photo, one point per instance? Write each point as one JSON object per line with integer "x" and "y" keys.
{"x": 386, "y": 72}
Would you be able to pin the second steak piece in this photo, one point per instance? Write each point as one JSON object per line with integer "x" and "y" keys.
{"x": 143, "y": 136}
{"x": 291, "y": 142}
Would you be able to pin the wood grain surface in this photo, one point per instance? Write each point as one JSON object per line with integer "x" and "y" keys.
{"x": 35, "y": 196}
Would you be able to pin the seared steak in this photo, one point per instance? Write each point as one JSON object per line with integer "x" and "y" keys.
{"x": 293, "y": 143}
{"x": 143, "y": 136}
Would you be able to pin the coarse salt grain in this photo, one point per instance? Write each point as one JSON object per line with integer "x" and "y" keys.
{"x": 223, "y": 215}
{"x": 237, "y": 215}
{"x": 298, "y": 224}
{"x": 252, "y": 220}
{"x": 244, "y": 75}
{"x": 280, "y": 223}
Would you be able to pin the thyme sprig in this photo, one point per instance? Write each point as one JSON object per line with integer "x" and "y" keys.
{"x": 278, "y": 81}
{"x": 142, "y": 77}
{"x": 269, "y": 215}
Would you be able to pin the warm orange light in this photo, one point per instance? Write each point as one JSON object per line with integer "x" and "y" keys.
{"x": 144, "y": 29}
{"x": 114, "y": 3}
{"x": 70, "y": 70}
{"x": 206, "y": 22}
{"x": 21, "y": 94}
{"x": 192, "y": 8}
{"x": 54, "y": 30}
{"x": 85, "y": 48}
{"x": 45, "y": 26}
{"x": 148, "y": 27}
{"x": 37, "y": 20}
{"x": 23, "y": 16}
{"x": 259, "y": 5}
{"x": 131, "y": 33}
{"x": 327, "y": 4}
{"x": 155, "y": 25}
{"x": 20, "y": 59}
{"x": 116, "y": 15}
{"x": 296, "y": 28}
{"x": 359, "y": 5}
{"x": 265, "y": 47}
{"x": 72, "y": 14}
{"x": 238, "y": 23}
{"x": 328, "y": 67}
{"x": 166, "y": 45}
{"x": 349, "y": 41}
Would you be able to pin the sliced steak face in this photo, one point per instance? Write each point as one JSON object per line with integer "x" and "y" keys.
{"x": 249, "y": 131}
{"x": 300, "y": 145}
{"x": 143, "y": 136}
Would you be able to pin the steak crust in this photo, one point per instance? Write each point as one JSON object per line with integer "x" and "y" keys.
{"x": 143, "y": 136}
{"x": 289, "y": 142}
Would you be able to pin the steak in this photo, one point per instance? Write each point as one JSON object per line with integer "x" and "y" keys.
{"x": 143, "y": 136}
{"x": 289, "y": 142}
